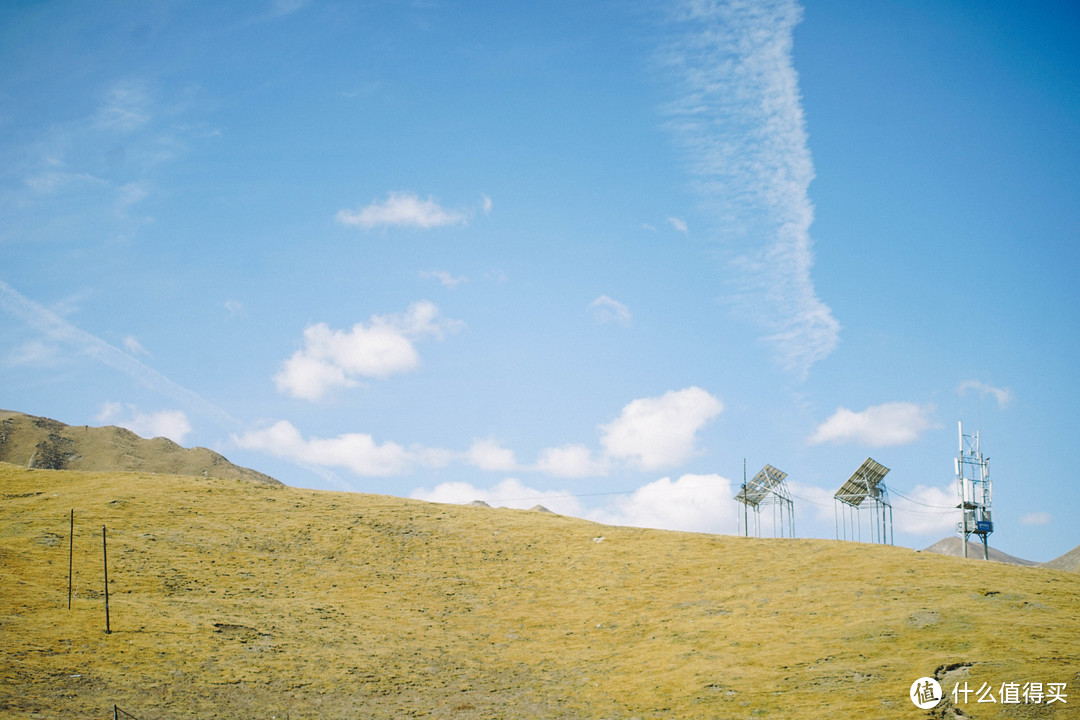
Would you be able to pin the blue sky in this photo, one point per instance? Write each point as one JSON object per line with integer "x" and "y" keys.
{"x": 585, "y": 255}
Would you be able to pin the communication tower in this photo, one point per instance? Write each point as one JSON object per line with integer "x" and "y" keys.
{"x": 864, "y": 489}
{"x": 767, "y": 488}
{"x": 975, "y": 491}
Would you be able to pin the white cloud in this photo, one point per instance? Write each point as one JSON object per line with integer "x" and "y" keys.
{"x": 926, "y": 510}
{"x": 1003, "y": 396}
{"x": 486, "y": 204}
{"x": 357, "y": 452}
{"x": 660, "y": 431}
{"x": 332, "y": 359}
{"x": 895, "y": 423}
{"x": 605, "y": 309}
{"x": 487, "y": 454}
{"x": 570, "y": 461}
{"x": 172, "y": 424}
{"x": 740, "y": 122}
{"x": 696, "y": 503}
{"x": 509, "y": 493}
{"x": 402, "y": 210}
{"x": 444, "y": 277}
{"x": 679, "y": 224}
{"x": 1036, "y": 518}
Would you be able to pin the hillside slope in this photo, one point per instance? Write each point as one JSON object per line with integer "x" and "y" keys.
{"x": 231, "y": 599}
{"x": 43, "y": 443}
{"x": 954, "y": 547}
{"x": 1068, "y": 561}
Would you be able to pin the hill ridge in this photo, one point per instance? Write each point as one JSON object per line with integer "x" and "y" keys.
{"x": 43, "y": 443}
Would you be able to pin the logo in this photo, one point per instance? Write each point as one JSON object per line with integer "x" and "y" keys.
{"x": 925, "y": 693}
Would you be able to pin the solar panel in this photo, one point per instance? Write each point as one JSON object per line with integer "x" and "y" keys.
{"x": 759, "y": 487}
{"x": 863, "y": 483}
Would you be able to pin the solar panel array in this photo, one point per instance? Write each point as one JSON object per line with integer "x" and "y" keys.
{"x": 863, "y": 483}
{"x": 759, "y": 487}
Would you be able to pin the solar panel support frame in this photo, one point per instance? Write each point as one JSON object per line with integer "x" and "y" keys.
{"x": 864, "y": 491}
{"x": 769, "y": 489}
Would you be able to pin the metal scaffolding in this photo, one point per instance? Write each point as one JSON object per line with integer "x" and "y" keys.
{"x": 864, "y": 489}
{"x": 767, "y": 488}
{"x": 975, "y": 491}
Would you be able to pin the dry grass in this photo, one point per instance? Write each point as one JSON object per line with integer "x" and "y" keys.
{"x": 234, "y": 599}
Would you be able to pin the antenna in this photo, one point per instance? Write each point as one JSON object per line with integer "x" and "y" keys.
{"x": 865, "y": 485}
{"x": 768, "y": 488}
{"x": 975, "y": 491}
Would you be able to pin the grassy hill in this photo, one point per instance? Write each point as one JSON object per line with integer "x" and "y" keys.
{"x": 233, "y": 599}
{"x": 1068, "y": 561}
{"x": 43, "y": 443}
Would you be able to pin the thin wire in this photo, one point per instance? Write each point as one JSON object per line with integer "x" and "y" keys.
{"x": 941, "y": 509}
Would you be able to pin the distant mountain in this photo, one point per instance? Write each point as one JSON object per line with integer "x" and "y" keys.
{"x": 1068, "y": 561}
{"x": 953, "y": 547}
{"x": 38, "y": 442}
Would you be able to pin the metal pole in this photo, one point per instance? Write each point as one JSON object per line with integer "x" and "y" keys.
{"x": 746, "y": 510}
{"x": 71, "y": 553}
{"x": 105, "y": 558}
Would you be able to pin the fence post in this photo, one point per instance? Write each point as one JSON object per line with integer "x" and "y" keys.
{"x": 71, "y": 552}
{"x": 105, "y": 558}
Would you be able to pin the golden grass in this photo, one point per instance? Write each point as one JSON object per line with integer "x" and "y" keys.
{"x": 235, "y": 599}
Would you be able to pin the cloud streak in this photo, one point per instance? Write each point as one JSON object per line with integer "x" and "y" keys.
{"x": 60, "y": 331}
{"x": 1003, "y": 396}
{"x": 739, "y": 121}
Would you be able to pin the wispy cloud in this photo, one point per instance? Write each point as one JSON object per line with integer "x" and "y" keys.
{"x": 679, "y": 224}
{"x": 382, "y": 347}
{"x": 740, "y": 121}
{"x": 1002, "y": 396}
{"x": 402, "y": 210}
{"x": 605, "y": 309}
{"x": 894, "y": 423}
{"x": 134, "y": 346}
{"x": 125, "y": 108}
{"x": 60, "y": 332}
{"x": 444, "y": 277}
{"x": 281, "y": 8}
{"x": 95, "y": 169}
{"x": 1036, "y": 518}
